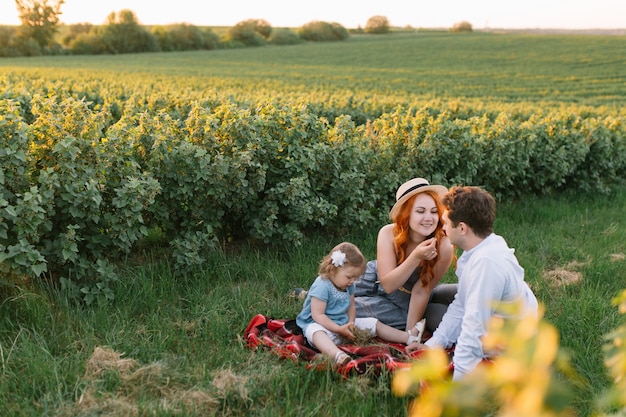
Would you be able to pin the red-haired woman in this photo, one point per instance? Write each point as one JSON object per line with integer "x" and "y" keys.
{"x": 401, "y": 287}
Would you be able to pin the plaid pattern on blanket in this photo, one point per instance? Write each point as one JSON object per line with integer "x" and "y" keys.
{"x": 285, "y": 339}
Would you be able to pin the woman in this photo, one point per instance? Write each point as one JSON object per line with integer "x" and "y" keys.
{"x": 413, "y": 253}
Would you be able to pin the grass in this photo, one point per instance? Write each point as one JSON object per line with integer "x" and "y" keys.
{"x": 576, "y": 265}
{"x": 172, "y": 344}
{"x": 483, "y": 68}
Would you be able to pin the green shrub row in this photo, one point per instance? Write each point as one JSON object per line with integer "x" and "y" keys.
{"x": 123, "y": 34}
{"x": 82, "y": 184}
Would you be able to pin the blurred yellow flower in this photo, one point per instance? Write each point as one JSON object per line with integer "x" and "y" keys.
{"x": 517, "y": 382}
{"x": 433, "y": 365}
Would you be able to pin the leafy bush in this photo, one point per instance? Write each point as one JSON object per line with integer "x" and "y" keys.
{"x": 73, "y": 31}
{"x": 377, "y": 25}
{"x": 211, "y": 40}
{"x": 21, "y": 201}
{"x": 8, "y": 38}
{"x": 184, "y": 37}
{"x": 251, "y": 32}
{"x": 28, "y": 46}
{"x": 72, "y": 200}
{"x": 463, "y": 26}
{"x": 284, "y": 37}
{"x": 227, "y": 172}
{"x": 318, "y": 31}
{"x": 87, "y": 44}
{"x": 123, "y": 34}
{"x": 89, "y": 168}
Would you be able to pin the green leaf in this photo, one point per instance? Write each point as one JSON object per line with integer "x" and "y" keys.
{"x": 39, "y": 269}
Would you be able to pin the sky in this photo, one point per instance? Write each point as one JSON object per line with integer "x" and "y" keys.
{"x": 482, "y": 14}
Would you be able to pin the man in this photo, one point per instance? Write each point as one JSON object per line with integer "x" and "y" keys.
{"x": 488, "y": 274}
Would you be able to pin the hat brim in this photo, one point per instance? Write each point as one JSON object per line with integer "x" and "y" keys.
{"x": 440, "y": 190}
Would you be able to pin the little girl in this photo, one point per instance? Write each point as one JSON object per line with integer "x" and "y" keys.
{"x": 328, "y": 316}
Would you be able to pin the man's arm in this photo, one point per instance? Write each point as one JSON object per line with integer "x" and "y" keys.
{"x": 485, "y": 285}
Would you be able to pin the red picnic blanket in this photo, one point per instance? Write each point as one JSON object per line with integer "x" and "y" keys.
{"x": 285, "y": 339}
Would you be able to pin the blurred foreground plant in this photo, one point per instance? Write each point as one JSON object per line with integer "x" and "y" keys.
{"x": 523, "y": 379}
{"x": 615, "y": 361}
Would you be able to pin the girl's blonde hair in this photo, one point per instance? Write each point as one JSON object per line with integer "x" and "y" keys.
{"x": 401, "y": 235}
{"x": 354, "y": 258}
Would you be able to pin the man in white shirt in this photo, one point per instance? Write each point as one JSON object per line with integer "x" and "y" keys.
{"x": 488, "y": 274}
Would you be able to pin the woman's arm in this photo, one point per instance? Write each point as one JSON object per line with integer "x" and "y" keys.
{"x": 391, "y": 275}
{"x": 420, "y": 294}
{"x": 417, "y": 305}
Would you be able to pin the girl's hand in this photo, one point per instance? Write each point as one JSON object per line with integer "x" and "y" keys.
{"x": 346, "y": 331}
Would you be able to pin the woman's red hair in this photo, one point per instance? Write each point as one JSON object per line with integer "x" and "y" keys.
{"x": 401, "y": 236}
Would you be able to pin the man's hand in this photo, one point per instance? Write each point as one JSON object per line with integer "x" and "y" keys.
{"x": 415, "y": 347}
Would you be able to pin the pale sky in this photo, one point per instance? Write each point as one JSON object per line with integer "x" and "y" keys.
{"x": 507, "y": 14}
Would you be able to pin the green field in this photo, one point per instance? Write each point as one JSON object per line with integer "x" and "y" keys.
{"x": 173, "y": 335}
{"x": 556, "y": 70}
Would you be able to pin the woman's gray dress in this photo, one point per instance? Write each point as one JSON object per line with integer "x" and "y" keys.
{"x": 392, "y": 309}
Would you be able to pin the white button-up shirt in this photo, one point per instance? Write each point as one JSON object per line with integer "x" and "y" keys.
{"x": 488, "y": 273}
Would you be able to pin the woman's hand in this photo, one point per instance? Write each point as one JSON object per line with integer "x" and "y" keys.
{"x": 426, "y": 250}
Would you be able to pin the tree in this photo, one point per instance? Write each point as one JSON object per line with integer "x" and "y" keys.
{"x": 40, "y": 20}
{"x": 251, "y": 32}
{"x": 377, "y": 24}
{"x": 284, "y": 36}
{"x": 185, "y": 37}
{"x": 318, "y": 31}
{"x": 73, "y": 31}
{"x": 462, "y": 27}
{"x": 8, "y": 36}
{"x": 123, "y": 34}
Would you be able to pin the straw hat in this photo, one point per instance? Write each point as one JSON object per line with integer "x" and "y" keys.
{"x": 411, "y": 188}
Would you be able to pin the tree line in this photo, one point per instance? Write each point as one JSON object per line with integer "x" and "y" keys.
{"x": 40, "y": 34}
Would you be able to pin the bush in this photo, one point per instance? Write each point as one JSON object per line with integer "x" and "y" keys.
{"x": 462, "y": 27}
{"x": 184, "y": 37}
{"x": 87, "y": 44}
{"x": 377, "y": 25}
{"x": 7, "y": 35}
{"x": 82, "y": 171}
{"x": 72, "y": 201}
{"x": 73, "y": 31}
{"x": 251, "y": 32}
{"x": 28, "y": 47}
{"x": 164, "y": 38}
{"x": 318, "y": 31}
{"x": 211, "y": 39}
{"x": 123, "y": 34}
{"x": 8, "y": 38}
{"x": 284, "y": 37}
